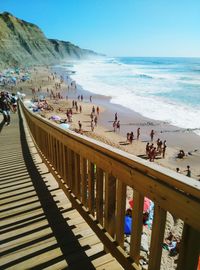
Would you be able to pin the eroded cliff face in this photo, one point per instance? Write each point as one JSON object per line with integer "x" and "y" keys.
{"x": 23, "y": 43}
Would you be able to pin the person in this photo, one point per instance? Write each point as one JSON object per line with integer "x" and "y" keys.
{"x": 92, "y": 125}
{"x": 95, "y": 120}
{"x": 90, "y": 98}
{"x": 98, "y": 110}
{"x": 80, "y": 125}
{"x": 138, "y": 133}
{"x": 188, "y": 171}
{"x": 178, "y": 170}
{"x": 152, "y": 134}
{"x": 14, "y": 102}
{"x": 128, "y": 222}
{"x": 181, "y": 154}
{"x": 5, "y": 105}
{"x": 131, "y": 137}
{"x": 164, "y": 149}
{"x": 118, "y": 125}
{"x": 147, "y": 149}
{"x": 114, "y": 125}
{"x": 116, "y": 117}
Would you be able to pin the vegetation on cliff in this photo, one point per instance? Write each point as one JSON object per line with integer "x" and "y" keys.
{"x": 23, "y": 43}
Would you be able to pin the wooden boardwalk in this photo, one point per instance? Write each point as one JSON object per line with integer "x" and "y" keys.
{"x": 39, "y": 229}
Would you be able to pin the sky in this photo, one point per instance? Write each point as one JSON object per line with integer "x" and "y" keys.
{"x": 117, "y": 27}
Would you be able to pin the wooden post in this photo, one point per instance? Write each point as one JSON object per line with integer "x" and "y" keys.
{"x": 189, "y": 249}
{"x": 99, "y": 195}
{"x": 91, "y": 185}
{"x": 157, "y": 236}
{"x": 110, "y": 203}
{"x": 137, "y": 225}
{"x": 121, "y": 207}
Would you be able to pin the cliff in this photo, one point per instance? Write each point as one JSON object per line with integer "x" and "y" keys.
{"x": 23, "y": 43}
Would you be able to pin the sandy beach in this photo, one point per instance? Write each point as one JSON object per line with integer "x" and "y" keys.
{"x": 176, "y": 138}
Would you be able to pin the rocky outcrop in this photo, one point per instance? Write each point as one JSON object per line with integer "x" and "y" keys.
{"x": 23, "y": 43}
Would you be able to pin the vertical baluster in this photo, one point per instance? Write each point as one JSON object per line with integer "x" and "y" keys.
{"x": 99, "y": 194}
{"x": 137, "y": 225}
{"x": 84, "y": 185}
{"x": 91, "y": 185}
{"x": 110, "y": 203}
{"x": 157, "y": 236}
{"x": 64, "y": 163}
{"x": 189, "y": 249}
{"x": 77, "y": 174}
{"x": 121, "y": 206}
{"x": 70, "y": 168}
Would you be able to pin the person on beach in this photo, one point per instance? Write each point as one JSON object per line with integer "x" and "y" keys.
{"x": 81, "y": 97}
{"x": 98, "y": 110}
{"x": 92, "y": 125}
{"x": 138, "y": 133}
{"x": 118, "y": 125}
{"x": 164, "y": 149}
{"x": 131, "y": 137}
{"x": 90, "y": 98}
{"x": 178, "y": 170}
{"x": 93, "y": 109}
{"x": 80, "y": 109}
{"x": 181, "y": 154}
{"x": 95, "y": 121}
{"x": 147, "y": 149}
{"x": 114, "y": 125}
{"x": 188, "y": 171}
{"x": 152, "y": 134}
{"x": 115, "y": 116}
{"x": 128, "y": 137}
{"x": 80, "y": 126}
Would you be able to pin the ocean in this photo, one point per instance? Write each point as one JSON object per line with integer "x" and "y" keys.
{"x": 166, "y": 89}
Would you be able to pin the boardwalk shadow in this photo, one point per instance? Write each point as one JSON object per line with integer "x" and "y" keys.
{"x": 72, "y": 252}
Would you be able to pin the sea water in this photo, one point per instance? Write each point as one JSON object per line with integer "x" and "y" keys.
{"x": 166, "y": 89}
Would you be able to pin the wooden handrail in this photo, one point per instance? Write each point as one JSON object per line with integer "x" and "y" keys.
{"x": 95, "y": 177}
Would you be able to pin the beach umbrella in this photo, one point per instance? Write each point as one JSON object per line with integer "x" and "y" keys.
{"x": 55, "y": 117}
{"x": 64, "y": 125}
{"x": 146, "y": 206}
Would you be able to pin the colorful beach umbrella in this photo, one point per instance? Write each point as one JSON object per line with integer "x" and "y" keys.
{"x": 146, "y": 206}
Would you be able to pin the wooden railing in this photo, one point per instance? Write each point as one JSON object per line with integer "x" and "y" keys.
{"x": 95, "y": 177}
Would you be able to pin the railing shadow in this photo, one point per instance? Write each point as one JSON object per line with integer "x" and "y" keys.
{"x": 1, "y": 125}
{"x": 66, "y": 240}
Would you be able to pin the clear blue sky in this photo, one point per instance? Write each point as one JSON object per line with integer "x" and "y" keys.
{"x": 117, "y": 27}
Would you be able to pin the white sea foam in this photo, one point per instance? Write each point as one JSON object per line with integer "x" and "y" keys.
{"x": 152, "y": 92}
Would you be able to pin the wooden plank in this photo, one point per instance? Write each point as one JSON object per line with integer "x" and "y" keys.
{"x": 137, "y": 226}
{"x": 189, "y": 249}
{"x": 99, "y": 194}
{"x": 157, "y": 236}
{"x": 84, "y": 182}
{"x": 91, "y": 186}
{"x": 110, "y": 203}
{"x": 121, "y": 207}
{"x": 77, "y": 175}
